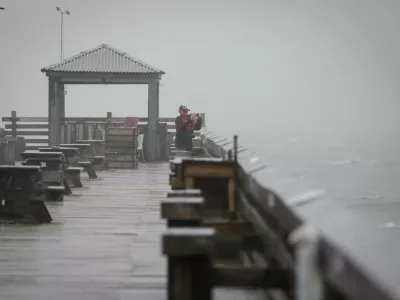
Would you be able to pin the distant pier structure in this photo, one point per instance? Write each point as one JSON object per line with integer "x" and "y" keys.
{"x": 102, "y": 65}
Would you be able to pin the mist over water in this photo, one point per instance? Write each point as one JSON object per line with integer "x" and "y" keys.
{"x": 313, "y": 87}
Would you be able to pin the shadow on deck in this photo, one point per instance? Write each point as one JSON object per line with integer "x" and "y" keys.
{"x": 104, "y": 243}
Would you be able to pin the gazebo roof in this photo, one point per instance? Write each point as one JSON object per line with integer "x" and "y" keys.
{"x": 103, "y": 59}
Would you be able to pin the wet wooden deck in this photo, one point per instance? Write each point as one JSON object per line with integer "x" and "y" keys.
{"x": 104, "y": 243}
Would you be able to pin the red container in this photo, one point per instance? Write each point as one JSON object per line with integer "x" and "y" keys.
{"x": 131, "y": 122}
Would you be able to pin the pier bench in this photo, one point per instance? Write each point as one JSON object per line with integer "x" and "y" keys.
{"x": 70, "y": 153}
{"x": 192, "y": 211}
{"x": 185, "y": 193}
{"x": 20, "y": 188}
{"x": 198, "y": 262}
{"x": 189, "y": 261}
{"x": 97, "y": 147}
{"x": 83, "y": 148}
{"x": 56, "y": 192}
{"x": 53, "y": 166}
{"x": 176, "y": 162}
{"x": 182, "y": 211}
{"x": 99, "y": 162}
{"x": 174, "y": 179}
{"x": 86, "y": 165}
{"x": 72, "y": 174}
{"x": 215, "y": 177}
{"x": 95, "y": 153}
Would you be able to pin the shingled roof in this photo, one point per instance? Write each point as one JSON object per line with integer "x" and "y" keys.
{"x": 103, "y": 59}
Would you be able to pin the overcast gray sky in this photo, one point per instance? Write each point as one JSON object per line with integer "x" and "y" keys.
{"x": 288, "y": 65}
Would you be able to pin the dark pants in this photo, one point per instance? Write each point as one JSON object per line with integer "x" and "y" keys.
{"x": 183, "y": 140}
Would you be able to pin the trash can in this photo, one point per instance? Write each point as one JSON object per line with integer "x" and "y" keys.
{"x": 7, "y": 151}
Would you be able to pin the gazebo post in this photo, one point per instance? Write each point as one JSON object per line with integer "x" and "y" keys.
{"x": 56, "y": 111}
{"x": 152, "y": 121}
{"x": 61, "y": 97}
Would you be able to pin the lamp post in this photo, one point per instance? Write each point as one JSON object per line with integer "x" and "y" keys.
{"x": 66, "y": 12}
{"x": 63, "y": 12}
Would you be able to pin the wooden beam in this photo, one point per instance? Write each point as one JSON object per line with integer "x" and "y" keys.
{"x": 205, "y": 169}
{"x": 251, "y": 277}
{"x": 31, "y": 132}
{"x": 104, "y": 81}
{"x": 182, "y": 208}
{"x": 229, "y": 226}
{"x": 153, "y": 115}
{"x": 56, "y": 75}
{"x": 55, "y": 111}
{"x": 77, "y": 120}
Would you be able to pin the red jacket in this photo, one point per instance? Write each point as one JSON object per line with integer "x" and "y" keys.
{"x": 182, "y": 122}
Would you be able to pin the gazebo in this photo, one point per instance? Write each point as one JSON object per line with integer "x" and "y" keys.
{"x": 102, "y": 65}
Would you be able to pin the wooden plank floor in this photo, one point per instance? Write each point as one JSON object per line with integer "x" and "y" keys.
{"x": 104, "y": 243}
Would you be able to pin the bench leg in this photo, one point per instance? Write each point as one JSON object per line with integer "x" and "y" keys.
{"x": 76, "y": 181}
{"x": 32, "y": 211}
{"x": 54, "y": 196}
{"x": 67, "y": 188}
{"x": 91, "y": 172}
{"x": 39, "y": 212}
{"x": 99, "y": 164}
{"x": 189, "y": 278}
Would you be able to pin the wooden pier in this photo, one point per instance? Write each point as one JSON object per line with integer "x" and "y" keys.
{"x": 196, "y": 227}
{"x": 103, "y": 243}
{"x": 193, "y": 228}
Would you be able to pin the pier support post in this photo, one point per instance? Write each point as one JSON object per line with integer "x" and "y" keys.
{"x": 56, "y": 111}
{"x": 153, "y": 116}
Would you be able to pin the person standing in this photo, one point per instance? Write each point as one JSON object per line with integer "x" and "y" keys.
{"x": 185, "y": 125}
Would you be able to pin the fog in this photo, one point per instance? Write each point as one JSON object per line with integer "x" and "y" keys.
{"x": 311, "y": 86}
{"x": 254, "y": 67}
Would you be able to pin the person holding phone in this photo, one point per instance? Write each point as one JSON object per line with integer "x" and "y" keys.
{"x": 185, "y": 125}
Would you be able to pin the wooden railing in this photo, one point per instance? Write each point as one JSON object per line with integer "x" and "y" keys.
{"x": 321, "y": 269}
{"x": 36, "y": 131}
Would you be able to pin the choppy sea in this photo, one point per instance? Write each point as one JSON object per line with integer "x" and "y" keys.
{"x": 346, "y": 185}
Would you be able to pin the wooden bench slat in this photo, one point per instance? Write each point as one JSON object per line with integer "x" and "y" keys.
{"x": 251, "y": 277}
{"x": 76, "y": 169}
{"x": 56, "y": 188}
{"x": 185, "y": 193}
{"x": 182, "y": 208}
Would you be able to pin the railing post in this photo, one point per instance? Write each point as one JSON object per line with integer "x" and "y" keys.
{"x": 89, "y": 131}
{"x": 69, "y": 133}
{"x": 108, "y": 121}
{"x": 203, "y": 116}
{"x": 14, "y": 123}
{"x": 81, "y": 131}
{"x": 74, "y": 132}
{"x": 308, "y": 280}
{"x": 63, "y": 129}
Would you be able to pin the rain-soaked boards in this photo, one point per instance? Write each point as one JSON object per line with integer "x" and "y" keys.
{"x": 121, "y": 147}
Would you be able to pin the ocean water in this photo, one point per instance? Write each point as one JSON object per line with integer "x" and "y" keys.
{"x": 346, "y": 185}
